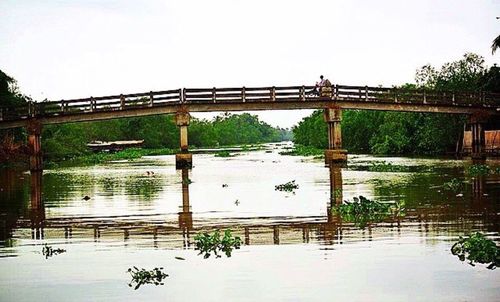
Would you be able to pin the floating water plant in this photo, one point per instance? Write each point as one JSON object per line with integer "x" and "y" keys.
{"x": 208, "y": 244}
{"x": 477, "y": 249}
{"x": 143, "y": 276}
{"x": 478, "y": 169}
{"x": 454, "y": 185}
{"x": 223, "y": 154}
{"x": 287, "y": 187}
{"x": 363, "y": 210}
{"x": 48, "y": 251}
{"x": 381, "y": 166}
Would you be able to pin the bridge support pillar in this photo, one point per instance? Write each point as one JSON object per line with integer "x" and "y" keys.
{"x": 35, "y": 145}
{"x": 334, "y": 153}
{"x": 184, "y": 159}
{"x": 478, "y": 143}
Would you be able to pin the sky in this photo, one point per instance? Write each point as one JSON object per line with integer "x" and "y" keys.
{"x": 71, "y": 49}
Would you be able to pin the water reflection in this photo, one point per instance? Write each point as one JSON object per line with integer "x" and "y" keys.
{"x": 474, "y": 208}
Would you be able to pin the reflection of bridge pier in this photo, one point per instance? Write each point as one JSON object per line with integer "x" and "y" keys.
{"x": 37, "y": 208}
{"x": 185, "y": 216}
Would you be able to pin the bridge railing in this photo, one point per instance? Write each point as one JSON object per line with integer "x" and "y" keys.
{"x": 250, "y": 94}
{"x": 89, "y": 105}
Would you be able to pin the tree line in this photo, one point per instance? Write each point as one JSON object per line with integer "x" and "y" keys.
{"x": 381, "y": 132}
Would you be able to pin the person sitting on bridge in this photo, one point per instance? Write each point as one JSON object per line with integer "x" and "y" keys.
{"x": 323, "y": 88}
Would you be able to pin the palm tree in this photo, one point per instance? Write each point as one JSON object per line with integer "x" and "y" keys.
{"x": 495, "y": 45}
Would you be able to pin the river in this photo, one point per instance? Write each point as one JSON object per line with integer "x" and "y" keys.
{"x": 144, "y": 213}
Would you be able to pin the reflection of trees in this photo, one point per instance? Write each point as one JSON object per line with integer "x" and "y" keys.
{"x": 13, "y": 200}
{"x": 143, "y": 188}
{"x": 63, "y": 186}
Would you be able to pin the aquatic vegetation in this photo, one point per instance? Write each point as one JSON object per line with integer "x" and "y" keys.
{"x": 287, "y": 187}
{"x": 478, "y": 169}
{"x": 208, "y": 244}
{"x": 48, "y": 251}
{"x": 363, "y": 210}
{"x": 186, "y": 181}
{"x": 381, "y": 166}
{"x": 454, "y": 185}
{"x": 477, "y": 249}
{"x": 143, "y": 276}
{"x": 223, "y": 154}
{"x": 299, "y": 150}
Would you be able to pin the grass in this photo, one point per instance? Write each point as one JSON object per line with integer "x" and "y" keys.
{"x": 363, "y": 210}
{"x": 209, "y": 244}
{"x": 477, "y": 249}
{"x": 143, "y": 276}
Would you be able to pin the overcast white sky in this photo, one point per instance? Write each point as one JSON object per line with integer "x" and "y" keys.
{"x": 70, "y": 49}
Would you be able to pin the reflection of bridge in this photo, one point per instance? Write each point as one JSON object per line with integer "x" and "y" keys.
{"x": 479, "y": 106}
{"x": 270, "y": 230}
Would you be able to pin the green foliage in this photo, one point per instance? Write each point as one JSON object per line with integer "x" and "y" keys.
{"x": 66, "y": 141}
{"x": 223, "y": 153}
{"x": 48, "y": 251}
{"x": 478, "y": 169}
{"x": 477, "y": 249}
{"x": 363, "y": 211}
{"x": 380, "y": 166}
{"x": 143, "y": 276}
{"x": 301, "y": 150}
{"x": 454, "y": 185}
{"x": 403, "y": 132}
{"x": 208, "y": 244}
{"x": 290, "y": 186}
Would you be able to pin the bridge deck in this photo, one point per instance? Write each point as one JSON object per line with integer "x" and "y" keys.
{"x": 248, "y": 98}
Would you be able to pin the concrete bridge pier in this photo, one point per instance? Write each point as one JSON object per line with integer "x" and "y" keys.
{"x": 35, "y": 145}
{"x": 184, "y": 159}
{"x": 334, "y": 153}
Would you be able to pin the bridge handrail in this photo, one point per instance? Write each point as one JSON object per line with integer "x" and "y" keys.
{"x": 188, "y": 96}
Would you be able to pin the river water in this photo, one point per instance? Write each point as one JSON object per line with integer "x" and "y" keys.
{"x": 144, "y": 213}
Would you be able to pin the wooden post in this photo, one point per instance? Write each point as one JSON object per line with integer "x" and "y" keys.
{"x": 122, "y": 102}
{"x": 214, "y": 95}
{"x": 273, "y": 93}
{"x": 302, "y": 93}
{"x": 91, "y": 104}
{"x": 151, "y": 98}
{"x": 243, "y": 94}
{"x": 366, "y": 93}
{"x": 34, "y": 128}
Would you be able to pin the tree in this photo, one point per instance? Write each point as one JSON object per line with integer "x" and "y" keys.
{"x": 495, "y": 45}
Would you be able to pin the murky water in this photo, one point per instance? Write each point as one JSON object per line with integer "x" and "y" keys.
{"x": 295, "y": 249}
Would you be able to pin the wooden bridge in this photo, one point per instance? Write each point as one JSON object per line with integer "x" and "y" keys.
{"x": 478, "y": 105}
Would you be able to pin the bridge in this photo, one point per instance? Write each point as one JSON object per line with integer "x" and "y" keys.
{"x": 479, "y": 106}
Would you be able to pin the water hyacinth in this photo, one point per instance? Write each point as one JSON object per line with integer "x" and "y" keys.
{"x": 363, "y": 210}
{"x": 477, "y": 249}
{"x": 143, "y": 276}
{"x": 208, "y": 244}
{"x": 287, "y": 187}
